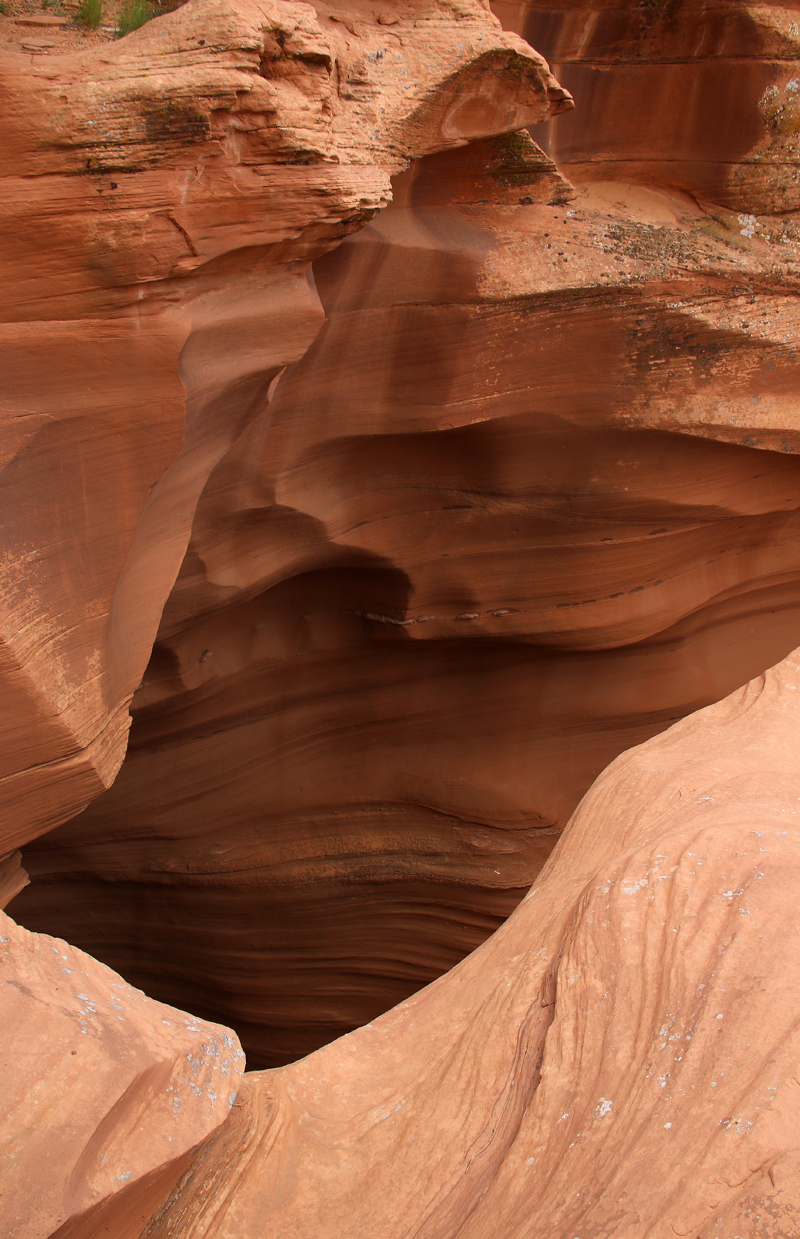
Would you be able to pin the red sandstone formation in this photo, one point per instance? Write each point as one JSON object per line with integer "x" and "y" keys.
{"x": 105, "y": 1092}
{"x": 620, "y": 1058}
{"x": 681, "y": 94}
{"x": 402, "y": 483}
{"x": 480, "y": 540}
{"x": 161, "y": 203}
{"x": 637, "y": 1011}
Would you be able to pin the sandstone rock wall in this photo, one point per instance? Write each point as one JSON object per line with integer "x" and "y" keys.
{"x": 106, "y": 1094}
{"x": 528, "y": 497}
{"x": 689, "y": 94}
{"x": 162, "y": 200}
{"x": 399, "y": 471}
{"x": 618, "y": 1059}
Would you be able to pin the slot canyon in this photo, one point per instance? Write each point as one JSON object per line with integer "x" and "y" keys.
{"x": 401, "y": 587}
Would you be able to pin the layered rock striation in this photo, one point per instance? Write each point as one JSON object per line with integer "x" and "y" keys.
{"x": 619, "y": 1058}
{"x": 162, "y": 200}
{"x": 529, "y": 496}
{"x": 695, "y": 95}
{"x": 395, "y": 471}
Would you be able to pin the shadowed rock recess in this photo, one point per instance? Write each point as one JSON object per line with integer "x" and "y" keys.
{"x": 400, "y": 468}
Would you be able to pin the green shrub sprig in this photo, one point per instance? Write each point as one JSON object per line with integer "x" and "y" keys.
{"x": 133, "y": 14}
{"x": 89, "y": 14}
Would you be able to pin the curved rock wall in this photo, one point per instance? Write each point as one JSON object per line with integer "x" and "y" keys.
{"x": 162, "y": 199}
{"x": 619, "y": 1058}
{"x": 106, "y": 1094}
{"x": 529, "y": 496}
{"x": 399, "y": 483}
{"x": 691, "y": 94}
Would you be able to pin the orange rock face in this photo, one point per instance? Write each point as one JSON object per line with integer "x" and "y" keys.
{"x": 161, "y": 203}
{"x": 104, "y": 1091}
{"x": 619, "y": 1058}
{"x": 682, "y": 94}
{"x": 394, "y": 473}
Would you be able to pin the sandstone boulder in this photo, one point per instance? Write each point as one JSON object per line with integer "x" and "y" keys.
{"x": 105, "y": 1093}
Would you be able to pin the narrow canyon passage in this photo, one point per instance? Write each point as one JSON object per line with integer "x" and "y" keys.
{"x": 463, "y": 556}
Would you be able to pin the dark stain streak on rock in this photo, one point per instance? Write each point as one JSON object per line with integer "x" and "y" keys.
{"x": 168, "y": 121}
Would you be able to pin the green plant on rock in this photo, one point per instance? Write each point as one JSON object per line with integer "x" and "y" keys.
{"x": 89, "y": 14}
{"x": 132, "y": 15}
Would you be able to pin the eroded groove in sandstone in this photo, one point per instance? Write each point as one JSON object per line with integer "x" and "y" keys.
{"x": 464, "y": 558}
{"x": 654, "y": 948}
{"x": 161, "y": 203}
{"x": 422, "y": 512}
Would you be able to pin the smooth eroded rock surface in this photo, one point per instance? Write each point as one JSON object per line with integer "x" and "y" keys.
{"x": 161, "y": 200}
{"x": 531, "y": 495}
{"x": 620, "y": 1058}
{"x": 394, "y": 471}
{"x": 104, "y": 1091}
{"x": 699, "y": 95}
